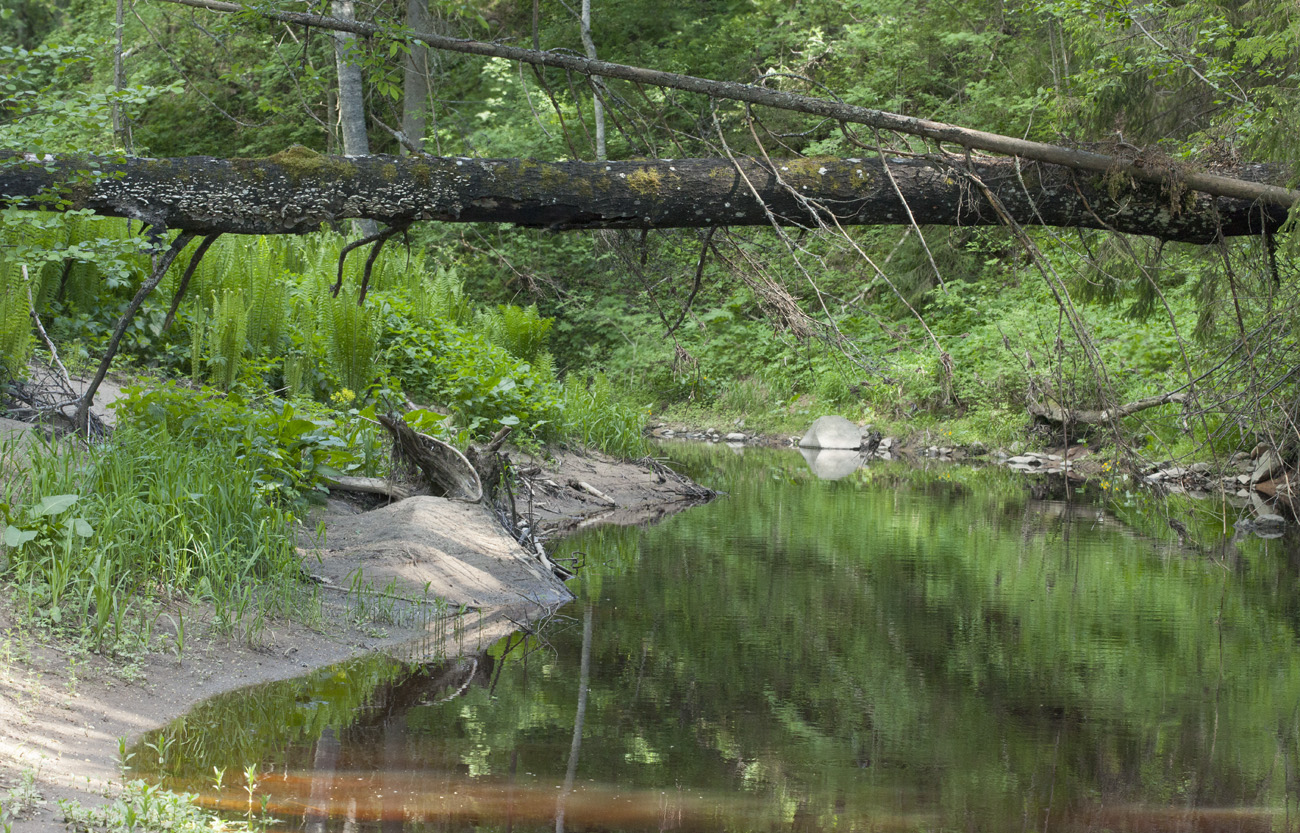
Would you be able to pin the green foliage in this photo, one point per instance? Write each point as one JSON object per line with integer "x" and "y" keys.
{"x": 90, "y": 533}
{"x": 520, "y": 331}
{"x": 227, "y": 340}
{"x": 596, "y": 415}
{"x": 287, "y": 452}
{"x": 15, "y": 320}
{"x": 483, "y": 385}
{"x": 352, "y": 340}
{"x": 145, "y": 808}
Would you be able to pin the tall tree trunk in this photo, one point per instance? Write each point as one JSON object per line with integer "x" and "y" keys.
{"x": 121, "y": 129}
{"x": 597, "y": 105}
{"x": 415, "y": 76}
{"x": 352, "y": 107}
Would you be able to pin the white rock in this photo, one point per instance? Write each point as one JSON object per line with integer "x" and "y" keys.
{"x": 735, "y": 437}
{"x": 834, "y": 432}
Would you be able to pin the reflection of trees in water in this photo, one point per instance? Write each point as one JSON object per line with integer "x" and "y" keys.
{"x": 895, "y": 649}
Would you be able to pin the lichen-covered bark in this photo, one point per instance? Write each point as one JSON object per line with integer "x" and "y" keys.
{"x": 297, "y": 191}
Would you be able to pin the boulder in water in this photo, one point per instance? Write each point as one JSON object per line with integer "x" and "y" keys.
{"x": 832, "y": 432}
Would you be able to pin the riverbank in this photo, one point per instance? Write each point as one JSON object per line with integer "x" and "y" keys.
{"x": 1257, "y": 482}
{"x": 66, "y": 713}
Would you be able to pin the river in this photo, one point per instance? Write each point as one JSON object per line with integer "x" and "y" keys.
{"x": 911, "y": 649}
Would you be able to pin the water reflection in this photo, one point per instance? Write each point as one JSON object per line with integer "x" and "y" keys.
{"x": 899, "y": 649}
{"x": 832, "y": 463}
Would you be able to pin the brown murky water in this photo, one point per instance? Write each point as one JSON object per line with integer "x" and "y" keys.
{"x": 901, "y": 649}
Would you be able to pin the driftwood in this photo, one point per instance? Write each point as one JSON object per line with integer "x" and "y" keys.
{"x": 490, "y": 466}
{"x": 370, "y": 486}
{"x": 443, "y": 469}
{"x": 584, "y": 486}
{"x": 1054, "y": 413}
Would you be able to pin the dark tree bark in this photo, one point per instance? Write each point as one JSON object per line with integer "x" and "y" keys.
{"x": 296, "y": 191}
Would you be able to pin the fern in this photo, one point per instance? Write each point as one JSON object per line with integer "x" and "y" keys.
{"x": 15, "y": 320}
{"x": 227, "y": 337}
{"x": 198, "y": 329}
{"x": 440, "y": 298}
{"x": 521, "y": 331}
{"x": 353, "y": 339}
{"x": 267, "y": 298}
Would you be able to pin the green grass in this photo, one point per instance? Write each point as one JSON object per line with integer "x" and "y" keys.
{"x": 599, "y": 416}
{"x": 140, "y": 808}
{"x": 94, "y": 535}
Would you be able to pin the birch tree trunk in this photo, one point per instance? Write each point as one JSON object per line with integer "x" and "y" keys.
{"x": 415, "y": 77}
{"x": 597, "y": 105}
{"x": 352, "y": 107}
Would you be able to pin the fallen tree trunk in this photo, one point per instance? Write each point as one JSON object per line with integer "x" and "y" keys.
{"x": 1054, "y": 413}
{"x": 296, "y": 191}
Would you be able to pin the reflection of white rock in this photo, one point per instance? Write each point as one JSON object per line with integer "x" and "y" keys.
{"x": 831, "y": 463}
{"x": 738, "y": 448}
{"x": 832, "y": 432}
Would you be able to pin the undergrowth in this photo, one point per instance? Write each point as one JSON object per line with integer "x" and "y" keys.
{"x": 93, "y": 534}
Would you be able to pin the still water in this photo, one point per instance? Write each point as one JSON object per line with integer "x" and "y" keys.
{"x": 903, "y": 649}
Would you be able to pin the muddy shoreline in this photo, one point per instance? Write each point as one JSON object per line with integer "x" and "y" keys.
{"x": 64, "y": 714}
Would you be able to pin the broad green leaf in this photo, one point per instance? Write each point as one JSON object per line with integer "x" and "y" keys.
{"x": 55, "y": 505}
{"x": 15, "y": 537}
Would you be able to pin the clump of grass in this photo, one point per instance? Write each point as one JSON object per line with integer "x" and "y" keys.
{"x": 141, "y": 808}
{"x": 597, "y": 416}
{"x": 19, "y": 800}
{"x": 93, "y": 533}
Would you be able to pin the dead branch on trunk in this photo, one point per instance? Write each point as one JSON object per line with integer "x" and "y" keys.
{"x": 184, "y": 284}
{"x": 81, "y": 420}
